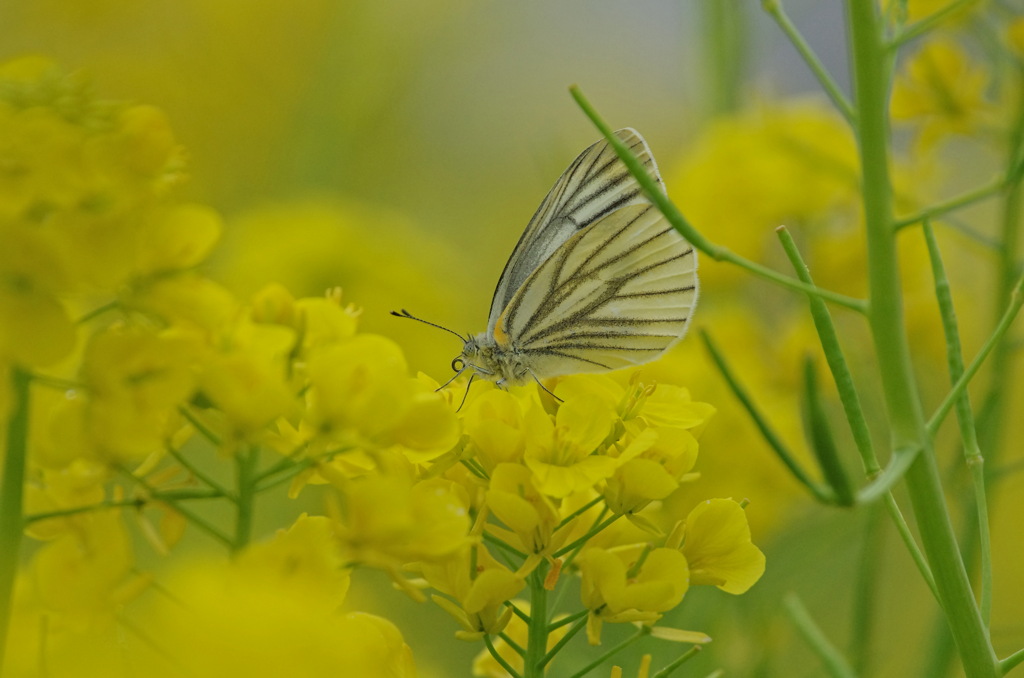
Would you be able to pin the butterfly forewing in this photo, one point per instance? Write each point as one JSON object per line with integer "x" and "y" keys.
{"x": 595, "y": 185}
{"x": 616, "y": 294}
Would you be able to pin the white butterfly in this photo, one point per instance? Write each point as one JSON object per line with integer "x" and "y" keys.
{"x": 598, "y": 281}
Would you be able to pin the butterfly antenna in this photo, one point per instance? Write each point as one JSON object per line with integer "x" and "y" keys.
{"x": 410, "y": 316}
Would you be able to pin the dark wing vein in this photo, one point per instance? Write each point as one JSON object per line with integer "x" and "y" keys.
{"x": 594, "y": 185}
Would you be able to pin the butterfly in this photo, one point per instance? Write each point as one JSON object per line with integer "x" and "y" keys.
{"x": 598, "y": 281}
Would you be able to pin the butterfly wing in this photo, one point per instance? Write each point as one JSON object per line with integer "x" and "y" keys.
{"x": 616, "y": 294}
{"x": 596, "y": 184}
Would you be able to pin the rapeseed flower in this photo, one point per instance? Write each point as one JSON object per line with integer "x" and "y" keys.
{"x": 476, "y": 588}
{"x": 717, "y": 546}
{"x": 630, "y": 585}
{"x": 389, "y": 520}
{"x": 942, "y": 90}
{"x": 271, "y": 611}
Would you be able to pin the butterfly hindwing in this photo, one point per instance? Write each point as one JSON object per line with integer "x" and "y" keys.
{"x": 616, "y": 294}
{"x": 595, "y": 185}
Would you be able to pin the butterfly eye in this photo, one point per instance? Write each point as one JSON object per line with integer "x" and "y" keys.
{"x": 458, "y": 364}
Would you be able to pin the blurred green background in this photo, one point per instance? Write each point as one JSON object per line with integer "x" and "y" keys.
{"x": 398, "y": 148}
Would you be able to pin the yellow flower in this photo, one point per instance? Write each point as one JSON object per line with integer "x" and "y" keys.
{"x": 562, "y": 453}
{"x": 323, "y": 321}
{"x": 794, "y": 164}
{"x": 248, "y": 380}
{"x": 362, "y": 396}
{"x": 35, "y": 329}
{"x": 85, "y": 575}
{"x": 653, "y": 404}
{"x": 34, "y": 325}
{"x": 717, "y": 545}
{"x": 514, "y": 498}
{"x": 942, "y": 90}
{"x": 274, "y": 304}
{"x": 226, "y": 620}
{"x": 377, "y": 255}
{"x": 617, "y": 588}
{"x": 478, "y": 586}
{"x": 389, "y": 520}
{"x": 91, "y": 177}
{"x": 495, "y": 424}
{"x": 188, "y": 300}
{"x": 177, "y": 237}
{"x": 135, "y": 379}
{"x": 303, "y": 562}
{"x": 652, "y": 465}
{"x": 655, "y": 446}
{"x": 78, "y": 483}
{"x": 671, "y": 406}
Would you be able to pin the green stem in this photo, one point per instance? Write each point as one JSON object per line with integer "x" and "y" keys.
{"x": 569, "y": 619}
{"x": 246, "y": 462}
{"x": 821, "y": 493}
{"x": 865, "y": 598}
{"x": 578, "y": 626}
{"x": 994, "y": 341}
{"x": 513, "y": 645}
{"x": 587, "y": 537}
{"x": 775, "y": 11}
{"x": 871, "y": 69}
{"x": 841, "y": 375}
{"x": 965, "y": 415}
{"x": 929, "y": 23}
{"x": 886, "y": 480}
{"x": 199, "y": 425}
{"x": 819, "y": 435}
{"x": 835, "y": 664}
{"x": 537, "y": 633}
{"x": 1012, "y": 661}
{"x": 667, "y": 670}
{"x": 98, "y": 311}
{"x": 580, "y": 511}
{"x": 957, "y": 202}
{"x": 137, "y": 503}
{"x": 191, "y": 468}
{"x": 723, "y": 42}
{"x": 679, "y": 222}
{"x": 611, "y": 652}
{"x": 498, "y": 658}
{"x": 284, "y": 464}
{"x": 503, "y": 547}
{"x": 192, "y": 517}
{"x": 908, "y": 540}
{"x": 12, "y": 487}
{"x": 993, "y": 414}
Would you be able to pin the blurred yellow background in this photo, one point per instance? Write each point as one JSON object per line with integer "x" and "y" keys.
{"x": 397, "y": 148}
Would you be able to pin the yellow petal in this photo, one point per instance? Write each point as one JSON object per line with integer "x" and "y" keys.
{"x": 719, "y": 549}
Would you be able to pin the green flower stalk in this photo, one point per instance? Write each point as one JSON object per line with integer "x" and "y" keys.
{"x": 906, "y": 419}
{"x": 12, "y": 485}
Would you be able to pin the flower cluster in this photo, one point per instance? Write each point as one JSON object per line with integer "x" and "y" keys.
{"x": 148, "y": 379}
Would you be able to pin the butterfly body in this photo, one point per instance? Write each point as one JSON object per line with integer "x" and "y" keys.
{"x": 491, "y": 360}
